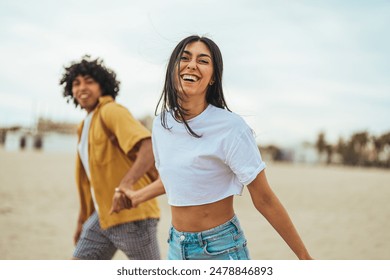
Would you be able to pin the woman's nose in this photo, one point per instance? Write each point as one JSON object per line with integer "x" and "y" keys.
{"x": 191, "y": 65}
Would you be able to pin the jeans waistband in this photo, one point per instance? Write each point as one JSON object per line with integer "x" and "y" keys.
{"x": 197, "y": 237}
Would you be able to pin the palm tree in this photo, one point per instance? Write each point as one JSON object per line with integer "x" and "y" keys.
{"x": 359, "y": 141}
{"x": 378, "y": 147}
{"x": 329, "y": 153}
{"x": 385, "y": 141}
{"x": 321, "y": 143}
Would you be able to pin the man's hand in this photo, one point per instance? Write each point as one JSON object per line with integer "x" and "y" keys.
{"x": 119, "y": 202}
{"x": 77, "y": 234}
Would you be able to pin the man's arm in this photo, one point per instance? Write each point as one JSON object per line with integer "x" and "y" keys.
{"x": 144, "y": 160}
{"x": 79, "y": 226}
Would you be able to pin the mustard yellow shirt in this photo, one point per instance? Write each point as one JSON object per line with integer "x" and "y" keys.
{"x": 108, "y": 164}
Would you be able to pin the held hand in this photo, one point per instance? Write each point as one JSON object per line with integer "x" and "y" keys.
{"x": 120, "y": 202}
{"x": 132, "y": 196}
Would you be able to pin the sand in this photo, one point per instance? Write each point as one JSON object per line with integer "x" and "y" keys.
{"x": 341, "y": 213}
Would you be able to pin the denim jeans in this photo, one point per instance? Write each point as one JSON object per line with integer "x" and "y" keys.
{"x": 224, "y": 242}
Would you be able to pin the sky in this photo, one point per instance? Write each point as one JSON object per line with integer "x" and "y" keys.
{"x": 292, "y": 69}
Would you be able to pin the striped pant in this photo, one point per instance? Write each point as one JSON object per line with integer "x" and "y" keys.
{"x": 138, "y": 240}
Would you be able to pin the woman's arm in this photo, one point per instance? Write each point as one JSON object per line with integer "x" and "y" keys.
{"x": 271, "y": 208}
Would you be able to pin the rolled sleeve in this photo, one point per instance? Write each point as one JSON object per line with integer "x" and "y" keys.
{"x": 244, "y": 158}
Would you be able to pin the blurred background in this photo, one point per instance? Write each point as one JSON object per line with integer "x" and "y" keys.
{"x": 310, "y": 77}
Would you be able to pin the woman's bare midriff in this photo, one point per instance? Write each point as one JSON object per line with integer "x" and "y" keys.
{"x": 202, "y": 217}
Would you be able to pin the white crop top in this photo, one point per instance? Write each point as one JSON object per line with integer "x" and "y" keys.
{"x": 198, "y": 171}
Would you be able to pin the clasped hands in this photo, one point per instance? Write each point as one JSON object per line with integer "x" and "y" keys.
{"x": 121, "y": 200}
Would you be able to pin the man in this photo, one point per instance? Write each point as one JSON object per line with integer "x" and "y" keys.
{"x": 114, "y": 152}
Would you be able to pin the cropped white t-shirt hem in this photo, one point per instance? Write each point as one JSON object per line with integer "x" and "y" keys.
{"x": 198, "y": 171}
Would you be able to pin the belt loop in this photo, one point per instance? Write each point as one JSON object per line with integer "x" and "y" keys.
{"x": 236, "y": 223}
{"x": 200, "y": 239}
{"x": 170, "y": 233}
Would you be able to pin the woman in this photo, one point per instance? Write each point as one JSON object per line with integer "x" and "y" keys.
{"x": 205, "y": 154}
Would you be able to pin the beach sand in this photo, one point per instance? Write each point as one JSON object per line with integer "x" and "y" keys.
{"x": 340, "y": 212}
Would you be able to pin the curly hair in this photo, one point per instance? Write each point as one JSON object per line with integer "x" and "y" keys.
{"x": 104, "y": 76}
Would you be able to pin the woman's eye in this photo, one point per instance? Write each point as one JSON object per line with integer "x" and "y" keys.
{"x": 184, "y": 58}
{"x": 204, "y": 61}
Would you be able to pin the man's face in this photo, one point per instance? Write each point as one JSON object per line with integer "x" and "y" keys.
{"x": 86, "y": 91}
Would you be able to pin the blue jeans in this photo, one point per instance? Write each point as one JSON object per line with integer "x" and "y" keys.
{"x": 224, "y": 242}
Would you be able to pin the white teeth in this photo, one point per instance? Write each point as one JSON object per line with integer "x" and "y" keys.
{"x": 190, "y": 78}
{"x": 84, "y": 96}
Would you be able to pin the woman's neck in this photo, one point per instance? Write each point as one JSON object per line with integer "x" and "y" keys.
{"x": 194, "y": 109}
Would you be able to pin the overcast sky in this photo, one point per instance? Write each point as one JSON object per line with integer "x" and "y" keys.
{"x": 291, "y": 68}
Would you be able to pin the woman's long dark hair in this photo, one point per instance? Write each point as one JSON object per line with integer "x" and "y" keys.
{"x": 169, "y": 98}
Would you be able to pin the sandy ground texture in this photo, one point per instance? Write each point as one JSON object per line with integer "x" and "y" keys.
{"x": 341, "y": 213}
